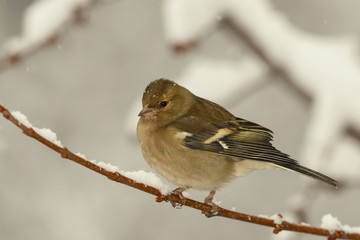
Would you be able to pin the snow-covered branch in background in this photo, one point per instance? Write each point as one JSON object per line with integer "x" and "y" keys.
{"x": 150, "y": 183}
{"x": 327, "y": 69}
{"x": 43, "y": 23}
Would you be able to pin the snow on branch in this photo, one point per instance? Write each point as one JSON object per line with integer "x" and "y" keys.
{"x": 151, "y": 184}
{"x": 332, "y": 223}
{"x": 43, "y": 23}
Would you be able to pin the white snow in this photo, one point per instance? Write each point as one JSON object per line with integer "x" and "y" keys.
{"x": 44, "y": 132}
{"x": 186, "y": 193}
{"x": 42, "y": 20}
{"x": 189, "y": 16}
{"x": 277, "y": 218}
{"x": 81, "y": 155}
{"x": 107, "y": 166}
{"x": 147, "y": 178}
{"x": 332, "y": 223}
{"x": 49, "y": 135}
{"x": 141, "y": 176}
{"x": 284, "y": 235}
{"x": 21, "y": 118}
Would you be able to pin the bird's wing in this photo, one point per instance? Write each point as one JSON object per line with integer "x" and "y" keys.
{"x": 235, "y": 138}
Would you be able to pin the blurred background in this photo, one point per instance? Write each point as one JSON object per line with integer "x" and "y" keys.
{"x": 87, "y": 87}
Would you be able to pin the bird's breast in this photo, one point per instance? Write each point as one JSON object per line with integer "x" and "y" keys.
{"x": 165, "y": 152}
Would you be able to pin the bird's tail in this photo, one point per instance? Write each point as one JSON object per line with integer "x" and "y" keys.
{"x": 309, "y": 172}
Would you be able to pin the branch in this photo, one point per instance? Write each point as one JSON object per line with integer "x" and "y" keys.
{"x": 29, "y": 46}
{"x": 117, "y": 177}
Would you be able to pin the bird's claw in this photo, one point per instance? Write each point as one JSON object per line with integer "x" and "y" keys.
{"x": 209, "y": 201}
{"x": 178, "y": 192}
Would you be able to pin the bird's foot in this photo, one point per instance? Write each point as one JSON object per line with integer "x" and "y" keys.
{"x": 209, "y": 201}
{"x": 178, "y": 192}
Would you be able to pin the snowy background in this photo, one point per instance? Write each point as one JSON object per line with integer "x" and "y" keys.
{"x": 87, "y": 89}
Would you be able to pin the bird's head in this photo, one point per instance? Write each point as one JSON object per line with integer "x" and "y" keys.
{"x": 164, "y": 101}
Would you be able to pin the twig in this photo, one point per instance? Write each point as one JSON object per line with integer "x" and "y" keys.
{"x": 117, "y": 177}
{"x": 12, "y": 58}
{"x": 15, "y": 57}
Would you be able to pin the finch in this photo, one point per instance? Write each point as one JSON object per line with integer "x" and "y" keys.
{"x": 195, "y": 143}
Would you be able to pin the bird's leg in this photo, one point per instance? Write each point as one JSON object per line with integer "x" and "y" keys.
{"x": 209, "y": 201}
{"x": 210, "y": 197}
{"x": 178, "y": 191}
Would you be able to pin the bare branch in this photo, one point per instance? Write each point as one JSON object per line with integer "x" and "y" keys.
{"x": 117, "y": 177}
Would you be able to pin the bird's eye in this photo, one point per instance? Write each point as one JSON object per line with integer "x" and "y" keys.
{"x": 163, "y": 104}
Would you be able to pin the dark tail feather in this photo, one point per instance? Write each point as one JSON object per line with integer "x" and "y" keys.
{"x": 311, "y": 173}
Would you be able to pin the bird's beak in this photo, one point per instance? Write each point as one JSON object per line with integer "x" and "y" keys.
{"x": 147, "y": 112}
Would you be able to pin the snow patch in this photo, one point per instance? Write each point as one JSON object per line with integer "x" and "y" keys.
{"x": 44, "y": 132}
{"x": 184, "y": 20}
{"x": 332, "y": 224}
{"x": 42, "y": 20}
{"x": 277, "y": 218}
{"x": 107, "y": 166}
{"x": 147, "y": 178}
{"x": 186, "y": 193}
{"x": 49, "y": 135}
{"x": 141, "y": 176}
{"x": 21, "y": 118}
{"x": 81, "y": 155}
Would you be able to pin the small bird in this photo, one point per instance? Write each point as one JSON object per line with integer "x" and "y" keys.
{"x": 195, "y": 143}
